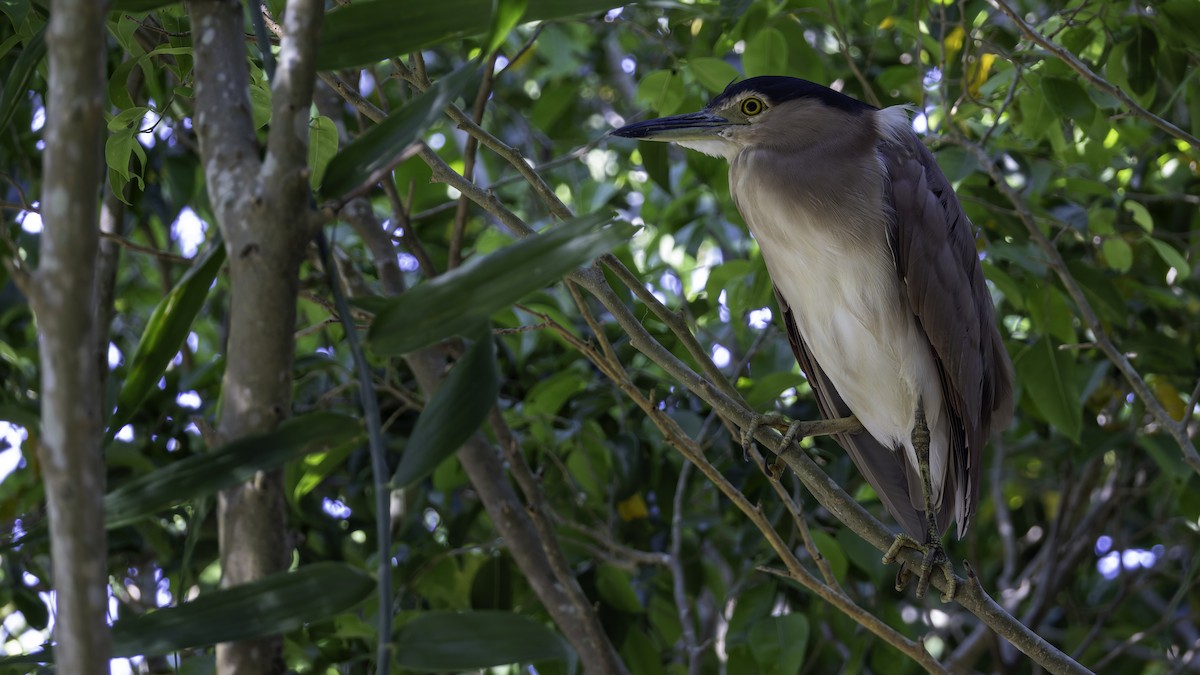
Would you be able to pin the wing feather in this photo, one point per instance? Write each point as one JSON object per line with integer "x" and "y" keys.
{"x": 933, "y": 244}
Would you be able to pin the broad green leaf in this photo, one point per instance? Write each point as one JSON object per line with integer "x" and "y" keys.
{"x": 457, "y": 641}
{"x": 165, "y": 331}
{"x": 766, "y": 54}
{"x": 832, "y": 552}
{"x": 453, "y": 413}
{"x": 1140, "y": 214}
{"x": 237, "y": 461}
{"x": 1068, "y": 98}
{"x": 779, "y": 643}
{"x": 461, "y": 299}
{"x": 322, "y": 146}
{"x": 1117, "y": 254}
{"x": 373, "y": 30}
{"x": 505, "y": 16}
{"x": 612, "y": 583}
{"x": 16, "y": 81}
{"x": 276, "y": 604}
{"x": 662, "y": 90}
{"x": 1171, "y": 256}
{"x": 1045, "y": 374}
{"x": 712, "y": 73}
{"x": 367, "y": 158}
{"x": 655, "y": 160}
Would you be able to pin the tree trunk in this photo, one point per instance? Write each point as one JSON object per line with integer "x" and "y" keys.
{"x": 62, "y": 298}
{"x": 262, "y": 208}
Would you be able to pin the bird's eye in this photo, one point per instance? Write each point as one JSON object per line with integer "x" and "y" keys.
{"x": 752, "y": 106}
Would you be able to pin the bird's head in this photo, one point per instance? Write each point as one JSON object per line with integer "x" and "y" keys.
{"x": 769, "y": 111}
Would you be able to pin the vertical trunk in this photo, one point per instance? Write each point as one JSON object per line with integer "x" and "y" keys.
{"x": 63, "y": 301}
{"x": 262, "y": 208}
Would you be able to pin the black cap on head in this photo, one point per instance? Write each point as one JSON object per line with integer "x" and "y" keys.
{"x": 778, "y": 89}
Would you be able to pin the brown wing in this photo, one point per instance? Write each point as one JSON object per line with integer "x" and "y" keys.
{"x": 884, "y": 468}
{"x": 933, "y": 244}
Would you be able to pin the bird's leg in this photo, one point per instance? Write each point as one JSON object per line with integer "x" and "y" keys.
{"x": 935, "y": 555}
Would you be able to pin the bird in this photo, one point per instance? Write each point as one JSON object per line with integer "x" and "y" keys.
{"x": 880, "y": 289}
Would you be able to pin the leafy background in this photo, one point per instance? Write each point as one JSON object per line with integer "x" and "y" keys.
{"x": 1088, "y": 527}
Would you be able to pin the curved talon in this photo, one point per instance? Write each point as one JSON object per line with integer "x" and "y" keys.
{"x": 934, "y": 556}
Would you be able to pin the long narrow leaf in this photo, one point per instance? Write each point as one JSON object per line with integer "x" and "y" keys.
{"x": 370, "y": 31}
{"x": 365, "y": 159}
{"x": 459, "y": 300}
{"x": 17, "y": 80}
{"x": 165, "y": 332}
{"x": 231, "y": 464}
{"x": 439, "y": 641}
{"x": 277, "y": 604}
{"x": 454, "y": 412}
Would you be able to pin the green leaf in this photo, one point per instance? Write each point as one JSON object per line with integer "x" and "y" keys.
{"x": 232, "y": 463}
{"x": 612, "y": 583}
{"x": 438, "y": 641}
{"x": 1118, "y": 255}
{"x": 453, "y": 414}
{"x": 766, "y": 54}
{"x": 506, "y": 14}
{"x": 712, "y": 73}
{"x": 1069, "y": 98}
{"x": 16, "y": 81}
{"x": 656, "y": 162}
{"x": 1171, "y": 256}
{"x": 322, "y": 146}
{"x": 779, "y": 643}
{"x": 1045, "y": 373}
{"x": 462, "y": 298}
{"x": 279, "y": 603}
{"x": 1140, "y": 214}
{"x": 832, "y": 552}
{"x": 373, "y": 30}
{"x": 140, "y": 5}
{"x": 165, "y": 331}
{"x": 367, "y": 158}
{"x": 662, "y": 90}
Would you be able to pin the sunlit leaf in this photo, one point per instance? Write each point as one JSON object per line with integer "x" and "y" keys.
{"x": 766, "y": 54}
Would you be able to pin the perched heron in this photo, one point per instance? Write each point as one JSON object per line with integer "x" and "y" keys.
{"x": 879, "y": 284}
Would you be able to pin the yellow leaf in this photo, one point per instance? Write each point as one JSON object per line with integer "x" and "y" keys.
{"x": 1169, "y": 397}
{"x": 633, "y": 508}
{"x": 979, "y": 72}
{"x": 887, "y": 22}
{"x": 954, "y": 42}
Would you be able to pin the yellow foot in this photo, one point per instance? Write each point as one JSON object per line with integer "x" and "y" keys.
{"x": 935, "y": 556}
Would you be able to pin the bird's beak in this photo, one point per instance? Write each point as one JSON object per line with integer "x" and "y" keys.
{"x": 697, "y": 126}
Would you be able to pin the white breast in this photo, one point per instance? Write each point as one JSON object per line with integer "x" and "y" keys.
{"x": 851, "y": 310}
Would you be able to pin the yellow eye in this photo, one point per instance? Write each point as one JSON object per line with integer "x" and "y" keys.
{"x": 752, "y": 106}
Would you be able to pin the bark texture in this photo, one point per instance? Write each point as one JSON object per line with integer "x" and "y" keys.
{"x": 263, "y": 209}
{"x": 62, "y": 291}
